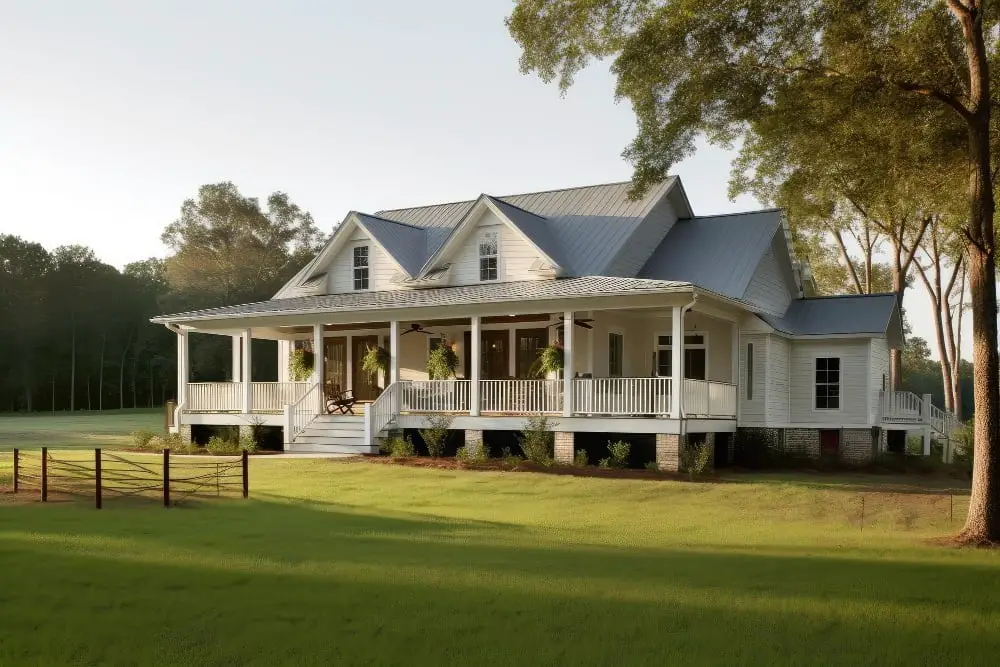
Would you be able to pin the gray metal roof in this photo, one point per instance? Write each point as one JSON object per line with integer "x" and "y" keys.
{"x": 535, "y": 227}
{"x": 719, "y": 253}
{"x": 530, "y": 290}
{"x": 840, "y": 315}
{"x": 405, "y": 243}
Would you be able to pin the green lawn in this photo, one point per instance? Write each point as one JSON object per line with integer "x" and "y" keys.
{"x": 78, "y": 429}
{"x": 352, "y": 563}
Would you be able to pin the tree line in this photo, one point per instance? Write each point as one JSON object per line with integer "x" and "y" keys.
{"x": 75, "y": 331}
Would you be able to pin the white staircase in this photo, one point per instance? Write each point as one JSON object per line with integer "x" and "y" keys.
{"x": 332, "y": 434}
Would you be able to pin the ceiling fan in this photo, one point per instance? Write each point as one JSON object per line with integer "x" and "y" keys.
{"x": 416, "y": 327}
{"x": 583, "y": 322}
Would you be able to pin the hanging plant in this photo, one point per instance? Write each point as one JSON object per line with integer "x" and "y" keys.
{"x": 550, "y": 360}
{"x": 442, "y": 362}
{"x": 376, "y": 360}
{"x": 300, "y": 365}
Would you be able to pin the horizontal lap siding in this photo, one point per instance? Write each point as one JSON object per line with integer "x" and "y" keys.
{"x": 854, "y": 376}
{"x": 380, "y": 269}
{"x": 753, "y": 411}
{"x": 777, "y": 388}
{"x": 879, "y": 370}
{"x": 768, "y": 288}
{"x": 516, "y": 255}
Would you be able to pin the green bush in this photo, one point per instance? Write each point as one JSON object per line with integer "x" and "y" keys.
{"x": 442, "y": 362}
{"x": 478, "y": 454}
{"x": 249, "y": 441}
{"x": 604, "y": 463}
{"x": 696, "y": 459}
{"x": 436, "y": 435}
{"x": 398, "y": 447}
{"x": 580, "y": 458}
{"x": 652, "y": 466}
{"x": 300, "y": 365}
{"x": 509, "y": 459}
{"x": 537, "y": 439}
{"x": 141, "y": 438}
{"x": 620, "y": 452}
{"x": 172, "y": 441}
{"x": 222, "y": 446}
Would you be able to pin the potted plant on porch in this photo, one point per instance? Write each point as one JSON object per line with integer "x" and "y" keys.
{"x": 375, "y": 361}
{"x": 300, "y": 365}
{"x": 442, "y": 362}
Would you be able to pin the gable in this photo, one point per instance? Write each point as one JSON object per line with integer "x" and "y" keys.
{"x": 382, "y": 271}
{"x": 769, "y": 288}
{"x": 517, "y": 259}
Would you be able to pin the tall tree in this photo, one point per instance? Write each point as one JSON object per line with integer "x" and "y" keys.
{"x": 714, "y": 67}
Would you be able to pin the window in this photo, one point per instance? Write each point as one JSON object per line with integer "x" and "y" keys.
{"x": 827, "y": 383}
{"x": 695, "y": 356}
{"x": 749, "y": 371}
{"x": 616, "y": 352}
{"x": 361, "y": 267}
{"x": 489, "y": 247}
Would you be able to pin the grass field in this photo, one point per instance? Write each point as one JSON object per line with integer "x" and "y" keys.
{"x": 79, "y": 429}
{"x": 334, "y": 562}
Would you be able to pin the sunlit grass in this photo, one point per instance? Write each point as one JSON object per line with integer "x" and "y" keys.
{"x": 79, "y": 429}
{"x": 333, "y": 562}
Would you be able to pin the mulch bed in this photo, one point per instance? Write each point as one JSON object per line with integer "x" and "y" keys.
{"x": 498, "y": 465}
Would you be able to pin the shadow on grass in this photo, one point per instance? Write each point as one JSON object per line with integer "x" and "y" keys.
{"x": 277, "y": 583}
{"x": 858, "y": 482}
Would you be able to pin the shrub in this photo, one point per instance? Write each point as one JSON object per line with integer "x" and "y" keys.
{"x": 142, "y": 437}
{"x": 509, "y": 459}
{"x": 300, "y": 365}
{"x": 398, "y": 446}
{"x": 220, "y": 446}
{"x": 652, "y": 466}
{"x": 696, "y": 458}
{"x": 249, "y": 441}
{"x": 537, "y": 439}
{"x": 580, "y": 459}
{"x": 478, "y": 454}
{"x": 172, "y": 441}
{"x": 604, "y": 463}
{"x": 620, "y": 452}
{"x": 436, "y": 435}
{"x": 550, "y": 360}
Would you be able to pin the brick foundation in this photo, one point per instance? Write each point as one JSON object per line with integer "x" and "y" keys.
{"x": 802, "y": 441}
{"x": 668, "y": 453}
{"x": 184, "y": 430}
{"x": 473, "y": 441}
{"x": 857, "y": 446}
{"x": 564, "y": 445}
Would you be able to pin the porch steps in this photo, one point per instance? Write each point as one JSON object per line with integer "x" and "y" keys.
{"x": 333, "y": 434}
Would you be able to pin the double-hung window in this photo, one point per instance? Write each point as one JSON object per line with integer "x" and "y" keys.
{"x": 489, "y": 251}
{"x": 827, "y": 383}
{"x": 361, "y": 267}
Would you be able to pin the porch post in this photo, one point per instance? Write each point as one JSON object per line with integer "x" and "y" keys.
{"x": 236, "y": 358}
{"x": 568, "y": 327}
{"x": 247, "y": 373}
{"x": 735, "y": 373}
{"x": 475, "y": 359}
{"x": 182, "y": 367}
{"x": 393, "y": 351}
{"x": 676, "y": 361}
{"x": 319, "y": 372}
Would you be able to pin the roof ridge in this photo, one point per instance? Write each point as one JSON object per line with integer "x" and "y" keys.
{"x": 395, "y": 222}
{"x": 519, "y": 208}
{"x": 772, "y": 209}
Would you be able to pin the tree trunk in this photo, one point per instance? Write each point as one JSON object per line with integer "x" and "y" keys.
{"x": 100, "y": 374}
{"x": 896, "y": 355}
{"x": 983, "y": 523}
{"x": 121, "y": 374}
{"x": 72, "y": 364}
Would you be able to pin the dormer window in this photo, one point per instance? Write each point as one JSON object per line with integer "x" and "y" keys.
{"x": 361, "y": 267}
{"x": 489, "y": 248}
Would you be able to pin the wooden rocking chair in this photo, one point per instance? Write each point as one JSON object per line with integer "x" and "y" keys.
{"x": 338, "y": 400}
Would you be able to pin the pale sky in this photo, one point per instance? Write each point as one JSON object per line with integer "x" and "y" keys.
{"x": 113, "y": 112}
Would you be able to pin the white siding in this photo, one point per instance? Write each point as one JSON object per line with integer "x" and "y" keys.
{"x": 753, "y": 411}
{"x": 879, "y": 371}
{"x": 768, "y": 288}
{"x": 515, "y": 260}
{"x": 854, "y": 378}
{"x": 778, "y": 352}
{"x": 381, "y": 269}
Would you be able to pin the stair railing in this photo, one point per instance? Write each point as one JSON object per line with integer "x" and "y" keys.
{"x": 301, "y": 413}
{"x": 382, "y": 412}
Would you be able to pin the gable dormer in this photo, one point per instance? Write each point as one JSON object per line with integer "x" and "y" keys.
{"x": 497, "y": 242}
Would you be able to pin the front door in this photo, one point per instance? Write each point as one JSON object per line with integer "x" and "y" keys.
{"x": 335, "y": 362}
{"x": 494, "y": 352}
{"x": 365, "y": 384}
{"x": 530, "y": 343}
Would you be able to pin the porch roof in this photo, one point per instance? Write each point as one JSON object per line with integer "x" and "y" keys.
{"x": 503, "y": 292}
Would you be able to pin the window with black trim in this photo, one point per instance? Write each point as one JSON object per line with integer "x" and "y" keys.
{"x": 361, "y": 267}
{"x": 616, "y": 353}
{"x": 827, "y": 383}
{"x": 749, "y": 371}
{"x": 489, "y": 255}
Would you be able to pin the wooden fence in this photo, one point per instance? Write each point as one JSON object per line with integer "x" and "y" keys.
{"x": 106, "y": 474}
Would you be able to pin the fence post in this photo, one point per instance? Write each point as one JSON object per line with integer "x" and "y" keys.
{"x": 45, "y": 474}
{"x": 97, "y": 477}
{"x": 246, "y": 475}
{"x": 166, "y": 477}
{"x": 16, "y": 456}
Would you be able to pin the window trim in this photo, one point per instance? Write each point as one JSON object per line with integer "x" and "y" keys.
{"x": 480, "y": 256}
{"x": 839, "y": 383}
{"x": 749, "y": 370}
{"x": 367, "y": 268}
{"x": 614, "y": 331}
{"x": 692, "y": 346}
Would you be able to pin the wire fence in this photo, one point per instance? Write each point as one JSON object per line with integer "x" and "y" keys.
{"x": 104, "y": 475}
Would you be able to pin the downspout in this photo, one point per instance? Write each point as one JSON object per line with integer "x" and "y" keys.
{"x": 680, "y": 371}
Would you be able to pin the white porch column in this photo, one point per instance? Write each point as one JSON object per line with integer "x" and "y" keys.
{"x": 393, "y": 351}
{"x": 319, "y": 372}
{"x": 182, "y": 367}
{"x": 735, "y": 373}
{"x": 247, "y": 373}
{"x": 568, "y": 367}
{"x": 925, "y": 412}
{"x": 475, "y": 359}
{"x": 237, "y": 358}
{"x": 676, "y": 360}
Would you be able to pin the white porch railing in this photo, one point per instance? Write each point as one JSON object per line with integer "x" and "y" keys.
{"x": 901, "y": 407}
{"x": 622, "y": 396}
{"x": 703, "y": 398}
{"x": 214, "y": 397}
{"x": 299, "y": 413}
{"x": 520, "y": 396}
{"x": 274, "y": 396}
{"x": 382, "y": 412}
{"x": 434, "y": 396}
